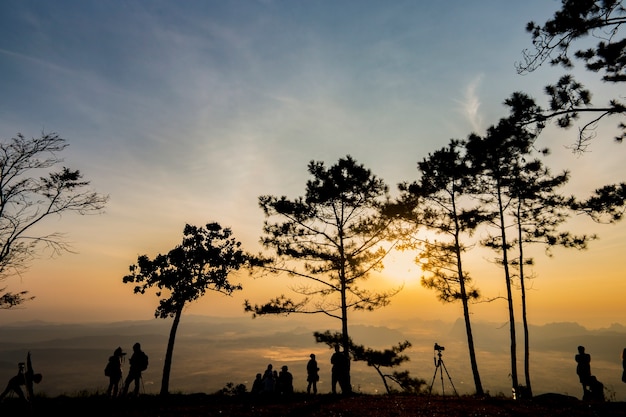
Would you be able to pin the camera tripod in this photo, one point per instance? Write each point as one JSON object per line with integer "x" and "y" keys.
{"x": 440, "y": 366}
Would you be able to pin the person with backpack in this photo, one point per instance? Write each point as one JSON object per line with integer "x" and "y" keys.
{"x": 114, "y": 371}
{"x": 138, "y": 363}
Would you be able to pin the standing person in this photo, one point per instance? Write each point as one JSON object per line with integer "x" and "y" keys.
{"x": 257, "y": 385}
{"x": 285, "y": 381}
{"x": 583, "y": 367}
{"x": 114, "y": 371}
{"x": 312, "y": 374}
{"x": 269, "y": 383}
{"x": 344, "y": 381}
{"x": 275, "y": 377}
{"x": 624, "y": 365}
{"x": 138, "y": 363}
{"x": 339, "y": 370}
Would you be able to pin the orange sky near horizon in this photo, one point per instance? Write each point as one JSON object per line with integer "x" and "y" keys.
{"x": 586, "y": 287}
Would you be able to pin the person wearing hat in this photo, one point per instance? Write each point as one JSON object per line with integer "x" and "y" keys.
{"x": 114, "y": 371}
{"x": 285, "y": 381}
{"x": 312, "y": 375}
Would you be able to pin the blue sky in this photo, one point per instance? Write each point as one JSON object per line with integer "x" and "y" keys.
{"x": 188, "y": 111}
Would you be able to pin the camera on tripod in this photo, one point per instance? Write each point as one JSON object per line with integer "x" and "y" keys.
{"x": 440, "y": 366}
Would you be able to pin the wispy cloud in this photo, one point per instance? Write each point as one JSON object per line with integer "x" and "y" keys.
{"x": 40, "y": 62}
{"x": 470, "y": 104}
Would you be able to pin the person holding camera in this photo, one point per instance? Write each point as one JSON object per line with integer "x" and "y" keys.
{"x": 138, "y": 363}
{"x": 114, "y": 371}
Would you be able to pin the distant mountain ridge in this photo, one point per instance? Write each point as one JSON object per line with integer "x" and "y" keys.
{"x": 211, "y": 351}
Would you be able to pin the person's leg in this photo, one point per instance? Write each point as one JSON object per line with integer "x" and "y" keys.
{"x": 127, "y": 382}
{"x": 347, "y": 383}
{"x": 14, "y": 386}
{"x": 115, "y": 386}
{"x": 19, "y": 393}
{"x": 342, "y": 383}
{"x": 5, "y": 392}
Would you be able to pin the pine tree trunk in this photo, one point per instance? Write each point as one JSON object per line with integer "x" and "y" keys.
{"x": 468, "y": 326}
{"x": 466, "y": 315}
{"x": 509, "y": 295}
{"x": 529, "y": 391}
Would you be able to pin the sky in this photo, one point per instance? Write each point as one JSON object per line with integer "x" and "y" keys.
{"x": 187, "y": 112}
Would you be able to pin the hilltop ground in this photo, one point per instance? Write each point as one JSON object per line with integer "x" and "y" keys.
{"x": 301, "y": 405}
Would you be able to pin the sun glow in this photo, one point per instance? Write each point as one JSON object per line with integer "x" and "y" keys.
{"x": 400, "y": 268}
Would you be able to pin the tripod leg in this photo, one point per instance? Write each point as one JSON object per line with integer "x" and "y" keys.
{"x": 449, "y": 378}
{"x": 433, "y": 380}
{"x": 443, "y": 391}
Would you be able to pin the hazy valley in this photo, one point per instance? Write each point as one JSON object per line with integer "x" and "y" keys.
{"x": 211, "y": 352}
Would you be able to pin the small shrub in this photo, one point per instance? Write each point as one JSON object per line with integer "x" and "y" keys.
{"x": 231, "y": 389}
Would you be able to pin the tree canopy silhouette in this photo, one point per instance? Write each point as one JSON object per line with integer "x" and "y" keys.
{"x": 331, "y": 239}
{"x": 439, "y": 202}
{"x": 555, "y": 42}
{"x": 32, "y": 191}
{"x": 203, "y": 261}
{"x": 379, "y": 360}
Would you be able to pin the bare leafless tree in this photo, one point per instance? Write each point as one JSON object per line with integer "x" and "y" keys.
{"x": 31, "y": 191}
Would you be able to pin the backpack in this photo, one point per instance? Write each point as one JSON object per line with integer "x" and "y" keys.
{"x": 108, "y": 370}
{"x": 142, "y": 362}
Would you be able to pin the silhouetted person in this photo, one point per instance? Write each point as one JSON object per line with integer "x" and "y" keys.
{"x": 595, "y": 391}
{"x": 624, "y": 365}
{"x": 269, "y": 381}
{"x": 275, "y": 376}
{"x": 138, "y": 363}
{"x": 15, "y": 384}
{"x": 31, "y": 377}
{"x": 114, "y": 371}
{"x": 340, "y": 373}
{"x": 583, "y": 367}
{"x": 312, "y": 374}
{"x": 257, "y": 385}
{"x": 285, "y": 381}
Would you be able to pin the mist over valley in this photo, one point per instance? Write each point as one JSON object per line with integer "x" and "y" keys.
{"x": 211, "y": 352}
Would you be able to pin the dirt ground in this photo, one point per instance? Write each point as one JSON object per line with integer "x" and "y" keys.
{"x": 301, "y": 405}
